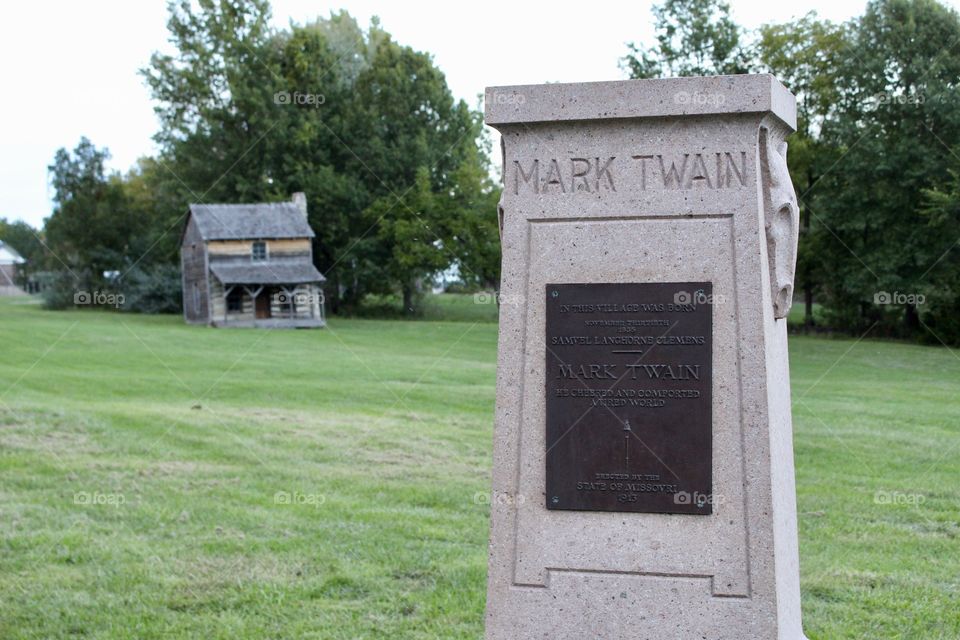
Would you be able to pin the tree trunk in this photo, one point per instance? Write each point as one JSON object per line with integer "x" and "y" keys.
{"x": 331, "y": 293}
{"x": 408, "y": 306}
{"x": 911, "y": 319}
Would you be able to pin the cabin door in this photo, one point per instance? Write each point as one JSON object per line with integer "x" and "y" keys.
{"x": 263, "y": 305}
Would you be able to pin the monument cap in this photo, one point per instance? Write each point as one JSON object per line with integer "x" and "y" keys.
{"x": 654, "y": 98}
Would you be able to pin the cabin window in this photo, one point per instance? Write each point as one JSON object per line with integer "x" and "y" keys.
{"x": 259, "y": 250}
{"x": 235, "y": 300}
{"x": 196, "y": 298}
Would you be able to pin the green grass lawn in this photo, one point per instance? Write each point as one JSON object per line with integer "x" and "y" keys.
{"x": 160, "y": 480}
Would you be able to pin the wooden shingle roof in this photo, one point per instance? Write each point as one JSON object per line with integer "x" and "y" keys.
{"x": 250, "y": 221}
{"x": 267, "y": 273}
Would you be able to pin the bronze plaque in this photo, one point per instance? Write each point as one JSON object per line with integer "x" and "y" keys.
{"x": 629, "y": 403}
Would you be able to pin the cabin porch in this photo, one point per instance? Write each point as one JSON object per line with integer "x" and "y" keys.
{"x": 293, "y": 306}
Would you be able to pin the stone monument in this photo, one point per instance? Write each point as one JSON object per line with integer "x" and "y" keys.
{"x": 643, "y": 461}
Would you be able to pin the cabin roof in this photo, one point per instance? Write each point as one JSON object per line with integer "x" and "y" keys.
{"x": 250, "y": 221}
{"x": 266, "y": 273}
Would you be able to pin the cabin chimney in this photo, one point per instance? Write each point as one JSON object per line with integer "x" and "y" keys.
{"x": 300, "y": 199}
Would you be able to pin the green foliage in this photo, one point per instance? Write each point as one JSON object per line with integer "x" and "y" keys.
{"x": 155, "y": 289}
{"x": 154, "y": 201}
{"x": 891, "y": 138}
{"x": 409, "y": 238}
{"x": 91, "y": 225}
{"x": 426, "y": 232}
{"x": 805, "y": 56}
{"x": 60, "y": 287}
{"x": 208, "y": 101}
{"x": 941, "y": 312}
{"x": 873, "y": 159}
{"x": 473, "y": 227}
{"x": 694, "y": 38}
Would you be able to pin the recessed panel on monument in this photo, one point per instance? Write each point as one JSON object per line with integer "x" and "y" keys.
{"x": 628, "y": 397}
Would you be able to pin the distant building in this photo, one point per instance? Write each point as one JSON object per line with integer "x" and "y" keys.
{"x": 250, "y": 265}
{"x": 10, "y": 261}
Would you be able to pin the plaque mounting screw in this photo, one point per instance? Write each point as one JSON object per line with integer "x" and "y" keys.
{"x": 554, "y": 294}
{"x": 555, "y": 499}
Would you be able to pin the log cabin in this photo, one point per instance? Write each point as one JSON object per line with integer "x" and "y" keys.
{"x": 250, "y": 265}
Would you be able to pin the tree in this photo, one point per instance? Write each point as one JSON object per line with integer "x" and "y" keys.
{"x": 405, "y": 126}
{"x": 215, "y": 99}
{"x": 472, "y": 224}
{"x": 896, "y": 124}
{"x": 694, "y": 38}
{"x": 155, "y": 200}
{"x": 409, "y": 242}
{"x": 92, "y": 225}
{"x": 942, "y": 302}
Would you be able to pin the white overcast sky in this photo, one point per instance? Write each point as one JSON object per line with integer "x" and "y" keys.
{"x": 70, "y": 66}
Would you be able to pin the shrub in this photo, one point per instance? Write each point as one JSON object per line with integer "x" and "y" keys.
{"x": 59, "y": 288}
{"x": 155, "y": 289}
